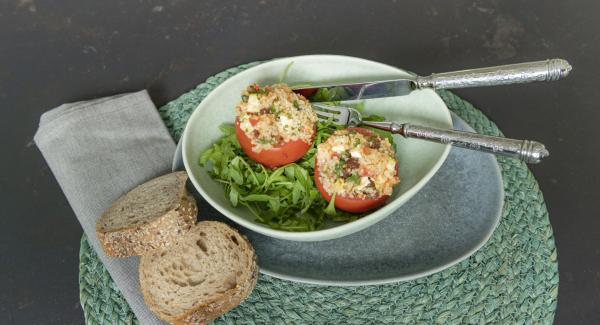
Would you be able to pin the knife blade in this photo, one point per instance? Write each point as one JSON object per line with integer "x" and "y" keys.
{"x": 357, "y": 91}
{"x": 518, "y": 73}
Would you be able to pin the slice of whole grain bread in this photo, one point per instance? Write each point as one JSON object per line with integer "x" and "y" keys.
{"x": 151, "y": 216}
{"x": 210, "y": 270}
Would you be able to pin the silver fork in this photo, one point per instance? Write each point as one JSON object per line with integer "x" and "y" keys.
{"x": 526, "y": 150}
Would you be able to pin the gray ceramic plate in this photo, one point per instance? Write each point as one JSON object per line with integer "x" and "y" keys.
{"x": 444, "y": 223}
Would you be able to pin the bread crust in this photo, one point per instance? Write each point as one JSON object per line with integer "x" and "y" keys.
{"x": 222, "y": 303}
{"x": 158, "y": 233}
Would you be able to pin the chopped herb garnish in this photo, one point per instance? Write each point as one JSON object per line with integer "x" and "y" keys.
{"x": 339, "y": 167}
{"x": 354, "y": 179}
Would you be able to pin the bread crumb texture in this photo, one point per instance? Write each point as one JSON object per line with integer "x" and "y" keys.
{"x": 206, "y": 273}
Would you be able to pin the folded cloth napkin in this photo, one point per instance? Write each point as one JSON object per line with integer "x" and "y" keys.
{"x": 98, "y": 150}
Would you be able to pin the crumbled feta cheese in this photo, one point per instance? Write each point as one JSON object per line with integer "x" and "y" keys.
{"x": 275, "y": 115}
{"x": 253, "y": 105}
{"x": 245, "y": 125}
{"x": 356, "y": 170}
{"x": 285, "y": 121}
{"x": 338, "y": 149}
{"x": 355, "y": 153}
{"x": 391, "y": 165}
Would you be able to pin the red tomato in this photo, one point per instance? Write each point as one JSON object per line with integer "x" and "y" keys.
{"x": 363, "y": 131}
{"x": 307, "y": 93}
{"x": 350, "y": 204}
{"x": 279, "y": 155}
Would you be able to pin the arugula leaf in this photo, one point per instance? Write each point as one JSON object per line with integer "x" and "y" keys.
{"x": 373, "y": 117}
{"x": 235, "y": 176}
{"x": 330, "y": 210}
{"x": 227, "y": 129}
{"x": 297, "y": 191}
{"x": 234, "y": 196}
{"x": 285, "y": 198}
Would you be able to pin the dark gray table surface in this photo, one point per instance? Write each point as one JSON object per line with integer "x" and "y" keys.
{"x": 53, "y": 52}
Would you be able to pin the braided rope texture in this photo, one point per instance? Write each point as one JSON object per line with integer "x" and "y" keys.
{"x": 513, "y": 279}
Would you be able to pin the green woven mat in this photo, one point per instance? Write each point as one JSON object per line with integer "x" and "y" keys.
{"x": 513, "y": 279}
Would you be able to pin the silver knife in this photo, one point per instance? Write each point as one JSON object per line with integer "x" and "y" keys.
{"x": 547, "y": 70}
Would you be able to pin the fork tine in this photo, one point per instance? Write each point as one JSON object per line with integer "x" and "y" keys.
{"x": 325, "y": 114}
{"x": 334, "y": 119}
{"x": 337, "y": 114}
{"x": 326, "y": 108}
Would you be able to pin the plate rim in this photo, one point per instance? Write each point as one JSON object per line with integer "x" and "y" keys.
{"x": 421, "y": 274}
{"x": 387, "y": 280}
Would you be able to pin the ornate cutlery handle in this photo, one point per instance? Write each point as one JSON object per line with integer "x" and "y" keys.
{"x": 528, "y": 151}
{"x": 548, "y": 70}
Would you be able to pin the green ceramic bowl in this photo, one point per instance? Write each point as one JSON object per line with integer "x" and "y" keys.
{"x": 417, "y": 160}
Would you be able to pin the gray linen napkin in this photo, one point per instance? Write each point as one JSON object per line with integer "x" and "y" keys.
{"x": 98, "y": 150}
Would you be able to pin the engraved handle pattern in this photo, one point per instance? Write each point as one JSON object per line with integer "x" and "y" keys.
{"x": 528, "y": 151}
{"x": 548, "y": 70}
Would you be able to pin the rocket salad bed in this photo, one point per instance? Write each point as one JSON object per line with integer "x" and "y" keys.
{"x": 284, "y": 198}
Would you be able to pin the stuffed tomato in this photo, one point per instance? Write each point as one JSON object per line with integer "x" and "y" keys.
{"x": 357, "y": 166}
{"x": 274, "y": 125}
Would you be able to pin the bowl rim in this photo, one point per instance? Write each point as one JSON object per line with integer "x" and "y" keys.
{"x": 322, "y": 234}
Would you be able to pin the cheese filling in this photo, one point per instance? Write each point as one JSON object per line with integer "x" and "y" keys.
{"x": 273, "y": 115}
{"x": 357, "y": 166}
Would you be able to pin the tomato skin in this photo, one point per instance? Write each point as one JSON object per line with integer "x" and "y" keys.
{"x": 363, "y": 131}
{"x": 349, "y": 204}
{"x": 279, "y": 155}
{"x": 307, "y": 93}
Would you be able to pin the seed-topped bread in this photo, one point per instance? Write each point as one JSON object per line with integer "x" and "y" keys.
{"x": 208, "y": 272}
{"x": 152, "y": 215}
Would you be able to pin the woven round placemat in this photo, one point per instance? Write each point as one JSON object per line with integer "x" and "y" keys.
{"x": 513, "y": 279}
